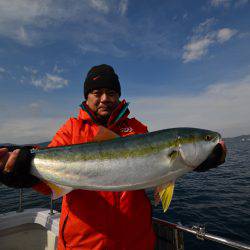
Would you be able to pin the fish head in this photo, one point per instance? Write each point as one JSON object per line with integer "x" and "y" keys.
{"x": 201, "y": 149}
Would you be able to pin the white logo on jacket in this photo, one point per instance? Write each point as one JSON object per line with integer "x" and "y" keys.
{"x": 126, "y": 130}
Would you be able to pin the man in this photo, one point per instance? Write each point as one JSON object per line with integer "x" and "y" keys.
{"x": 94, "y": 219}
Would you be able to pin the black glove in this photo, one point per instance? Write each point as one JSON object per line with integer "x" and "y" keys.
{"x": 20, "y": 177}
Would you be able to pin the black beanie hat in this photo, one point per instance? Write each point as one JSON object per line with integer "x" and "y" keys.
{"x": 101, "y": 76}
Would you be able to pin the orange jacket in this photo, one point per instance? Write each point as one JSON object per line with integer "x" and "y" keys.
{"x": 101, "y": 220}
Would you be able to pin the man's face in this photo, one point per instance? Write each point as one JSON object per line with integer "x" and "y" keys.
{"x": 102, "y": 102}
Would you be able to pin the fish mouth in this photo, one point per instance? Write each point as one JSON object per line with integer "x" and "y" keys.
{"x": 216, "y": 158}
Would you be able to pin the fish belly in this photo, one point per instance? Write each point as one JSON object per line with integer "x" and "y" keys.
{"x": 129, "y": 173}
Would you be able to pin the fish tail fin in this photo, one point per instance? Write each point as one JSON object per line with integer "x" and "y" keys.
{"x": 58, "y": 190}
{"x": 166, "y": 195}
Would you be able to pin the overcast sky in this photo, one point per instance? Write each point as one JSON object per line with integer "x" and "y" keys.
{"x": 180, "y": 63}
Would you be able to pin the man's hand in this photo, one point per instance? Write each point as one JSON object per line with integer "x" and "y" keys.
{"x": 15, "y": 168}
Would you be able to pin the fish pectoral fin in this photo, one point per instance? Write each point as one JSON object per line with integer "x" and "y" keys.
{"x": 58, "y": 190}
{"x": 104, "y": 134}
{"x": 166, "y": 194}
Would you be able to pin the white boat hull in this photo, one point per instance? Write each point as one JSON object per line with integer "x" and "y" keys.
{"x": 29, "y": 230}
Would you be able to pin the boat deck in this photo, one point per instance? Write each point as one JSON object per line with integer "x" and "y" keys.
{"x": 29, "y": 230}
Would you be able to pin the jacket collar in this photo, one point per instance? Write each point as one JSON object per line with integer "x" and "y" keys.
{"x": 117, "y": 116}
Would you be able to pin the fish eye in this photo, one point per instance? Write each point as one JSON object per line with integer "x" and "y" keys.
{"x": 208, "y": 138}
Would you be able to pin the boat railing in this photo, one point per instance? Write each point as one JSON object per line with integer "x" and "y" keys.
{"x": 176, "y": 231}
{"x": 200, "y": 233}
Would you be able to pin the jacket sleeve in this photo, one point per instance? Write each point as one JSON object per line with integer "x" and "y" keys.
{"x": 62, "y": 137}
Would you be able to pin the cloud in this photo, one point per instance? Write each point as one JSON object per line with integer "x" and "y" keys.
{"x": 90, "y": 48}
{"x": 228, "y": 3}
{"x": 16, "y": 15}
{"x": 95, "y": 26}
{"x": 57, "y": 69}
{"x": 241, "y": 3}
{"x": 30, "y": 22}
{"x": 2, "y": 70}
{"x": 47, "y": 81}
{"x": 22, "y": 36}
{"x": 6, "y": 73}
{"x": 106, "y": 6}
{"x": 30, "y": 70}
{"x": 225, "y": 34}
{"x": 223, "y": 107}
{"x": 35, "y": 109}
{"x": 204, "y": 27}
{"x": 100, "y": 5}
{"x": 50, "y": 82}
{"x": 29, "y": 130}
{"x": 224, "y": 3}
{"x": 34, "y": 121}
{"x": 244, "y": 34}
{"x": 120, "y": 38}
{"x": 203, "y": 37}
{"x": 185, "y": 16}
{"x": 196, "y": 49}
{"x": 123, "y": 7}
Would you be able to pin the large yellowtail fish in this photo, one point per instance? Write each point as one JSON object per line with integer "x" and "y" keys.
{"x": 143, "y": 161}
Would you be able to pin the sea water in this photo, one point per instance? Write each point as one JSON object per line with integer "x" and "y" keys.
{"x": 219, "y": 199}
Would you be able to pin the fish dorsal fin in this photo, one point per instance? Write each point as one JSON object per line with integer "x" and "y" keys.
{"x": 58, "y": 190}
{"x": 165, "y": 195}
{"x": 104, "y": 134}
